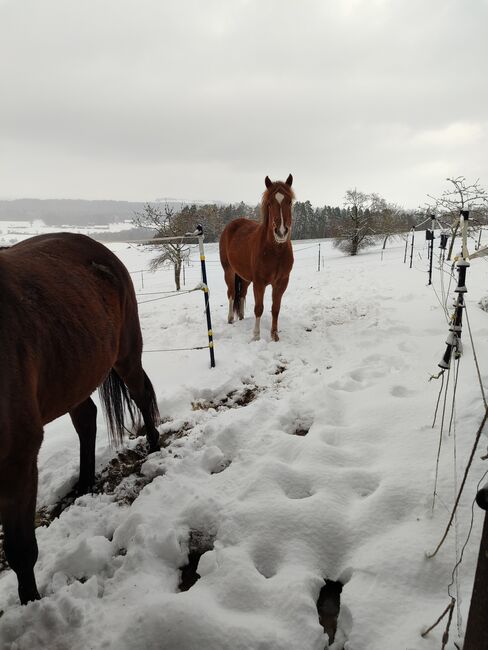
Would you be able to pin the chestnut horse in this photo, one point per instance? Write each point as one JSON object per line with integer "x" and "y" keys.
{"x": 260, "y": 253}
{"x": 68, "y": 324}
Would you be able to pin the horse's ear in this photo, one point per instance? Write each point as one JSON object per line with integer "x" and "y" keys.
{"x": 268, "y": 182}
{"x": 289, "y": 180}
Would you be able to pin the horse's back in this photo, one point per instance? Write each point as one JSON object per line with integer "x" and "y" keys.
{"x": 242, "y": 228}
{"x": 68, "y": 311}
{"x": 52, "y": 250}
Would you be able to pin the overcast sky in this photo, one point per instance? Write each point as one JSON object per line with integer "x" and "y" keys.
{"x": 200, "y": 99}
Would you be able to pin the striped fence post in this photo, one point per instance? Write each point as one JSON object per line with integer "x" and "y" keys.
{"x": 205, "y": 293}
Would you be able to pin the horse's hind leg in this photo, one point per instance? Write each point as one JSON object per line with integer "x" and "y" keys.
{"x": 242, "y": 302}
{"x": 229, "y": 276}
{"x": 258, "y": 307}
{"x": 17, "y": 514}
{"x": 230, "y": 279}
{"x": 142, "y": 392}
{"x": 84, "y": 418}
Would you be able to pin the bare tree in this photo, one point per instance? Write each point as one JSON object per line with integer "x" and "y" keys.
{"x": 461, "y": 195}
{"x": 354, "y": 231}
{"x": 388, "y": 218}
{"x": 166, "y": 223}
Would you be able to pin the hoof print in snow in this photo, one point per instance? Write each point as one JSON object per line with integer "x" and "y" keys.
{"x": 198, "y": 544}
{"x": 301, "y": 431}
{"x": 224, "y": 464}
{"x": 280, "y": 368}
{"x": 328, "y": 606}
{"x": 232, "y": 400}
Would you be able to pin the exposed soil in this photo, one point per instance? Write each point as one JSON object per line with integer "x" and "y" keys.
{"x": 121, "y": 477}
{"x": 328, "y": 607}
{"x": 199, "y": 543}
{"x": 234, "y": 399}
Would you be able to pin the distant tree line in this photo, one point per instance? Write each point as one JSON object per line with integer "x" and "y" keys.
{"x": 370, "y": 214}
{"x": 363, "y": 219}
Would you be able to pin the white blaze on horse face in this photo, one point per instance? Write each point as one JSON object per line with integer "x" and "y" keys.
{"x": 280, "y": 235}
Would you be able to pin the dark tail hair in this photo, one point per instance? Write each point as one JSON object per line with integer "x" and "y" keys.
{"x": 115, "y": 399}
{"x": 153, "y": 403}
{"x": 237, "y": 294}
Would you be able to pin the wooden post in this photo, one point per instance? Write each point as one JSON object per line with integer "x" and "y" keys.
{"x": 477, "y": 627}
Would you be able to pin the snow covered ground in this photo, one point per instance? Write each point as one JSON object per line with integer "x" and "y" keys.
{"x": 289, "y": 463}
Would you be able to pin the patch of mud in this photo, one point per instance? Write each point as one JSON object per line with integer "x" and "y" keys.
{"x": 280, "y": 368}
{"x": 121, "y": 478}
{"x": 199, "y": 543}
{"x": 328, "y": 607}
{"x": 232, "y": 400}
{"x": 176, "y": 434}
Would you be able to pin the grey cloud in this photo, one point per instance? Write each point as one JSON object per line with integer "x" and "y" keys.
{"x": 377, "y": 94}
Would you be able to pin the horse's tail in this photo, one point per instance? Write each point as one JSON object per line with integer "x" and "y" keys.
{"x": 153, "y": 402}
{"x": 115, "y": 399}
{"x": 237, "y": 294}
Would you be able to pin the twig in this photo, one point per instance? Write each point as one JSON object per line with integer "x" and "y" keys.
{"x": 466, "y": 471}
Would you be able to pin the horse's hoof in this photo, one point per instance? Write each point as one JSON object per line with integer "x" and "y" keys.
{"x": 274, "y": 336}
{"x": 256, "y": 337}
{"x": 28, "y": 595}
{"x": 230, "y": 321}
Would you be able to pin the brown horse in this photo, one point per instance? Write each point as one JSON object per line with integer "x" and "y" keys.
{"x": 260, "y": 253}
{"x": 68, "y": 324}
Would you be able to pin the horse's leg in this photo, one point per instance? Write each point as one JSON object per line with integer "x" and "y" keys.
{"x": 278, "y": 291}
{"x": 258, "y": 289}
{"x": 242, "y": 303}
{"x": 17, "y": 514}
{"x": 84, "y": 418}
{"x": 142, "y": 392}
{"x": 230, "y": 277}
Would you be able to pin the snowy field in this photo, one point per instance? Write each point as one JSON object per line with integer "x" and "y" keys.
{"x": 290, "y": 463}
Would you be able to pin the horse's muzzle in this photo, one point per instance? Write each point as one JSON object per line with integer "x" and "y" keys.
{"x": 279, "y": 237}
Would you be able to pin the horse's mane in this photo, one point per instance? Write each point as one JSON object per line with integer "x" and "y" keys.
{"x": 277, "y": 186}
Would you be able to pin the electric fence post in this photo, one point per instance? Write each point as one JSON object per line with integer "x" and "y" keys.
{"x": 429, "y": 236}
{"x": 411, "y": 249}
{"x": 199, "y": 232}
{"x": 318, "y": 269}
{"x": 453, "y": 342}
